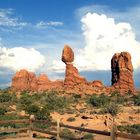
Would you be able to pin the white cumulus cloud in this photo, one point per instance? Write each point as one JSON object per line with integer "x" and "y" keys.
{"x": 21, "y": 58}
{"x": 103, "y": 38}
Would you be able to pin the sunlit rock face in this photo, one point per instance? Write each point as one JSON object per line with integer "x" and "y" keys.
{"x": 122, "y": 72}
{"x": 122, "y": 77}
{"x": 67, "y": 54}
{"x": 24, "y": 80}
{"x": 72, "y": 76}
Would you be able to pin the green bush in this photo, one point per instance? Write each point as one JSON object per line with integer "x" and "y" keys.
{"x": 2, "y": 110}
{"x": 133, "y": 129}
{"x": 136, "y": 99}
{"x": 43, "y": 114}
{"x": 111, "y": 108}
{"x": 53, "y": 102}
{"x": 118, "y": 98}
{"x": 67, "y": 133}
{"x": 24, "y": 101}
{"x": 99, "y": 100}
{"x": 5, "y": 97}
{"x": 88, "y": 136}
{"x": 32, "y": 109}
{"x": 71, "y": 119}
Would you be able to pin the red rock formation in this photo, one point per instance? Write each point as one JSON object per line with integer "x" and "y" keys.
{"x": 72, "y": 76}
{"x": 97, "y": 83}
{"x": 122, "y": 72}
{"x": 24, "y": 80}
{"x": 122, "y": 77}
{"x": 67, "y": 54}
{"x": 44, "y": 83}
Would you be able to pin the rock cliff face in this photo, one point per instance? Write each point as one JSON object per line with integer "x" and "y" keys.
{"x": 122, "y": 77}
{"x": 24, "y": 80}
{"x": 122, "y": 72}
{"x": 72, "y": 76}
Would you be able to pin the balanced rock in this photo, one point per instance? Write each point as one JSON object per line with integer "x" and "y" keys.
{"x": 122, "y": 72}
{"x": 67, "y": 54}
{"x": 72, "y": 76}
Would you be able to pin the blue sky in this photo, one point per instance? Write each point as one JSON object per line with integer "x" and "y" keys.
{"x": 34, "y": 32}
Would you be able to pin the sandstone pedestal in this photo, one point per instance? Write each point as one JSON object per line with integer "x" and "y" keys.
{"x": 72, "y": 77}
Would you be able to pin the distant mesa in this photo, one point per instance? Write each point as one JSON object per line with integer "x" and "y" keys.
{"x": 122, "y": 77}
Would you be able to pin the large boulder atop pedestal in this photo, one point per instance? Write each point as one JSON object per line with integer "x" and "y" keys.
{"x": 72, "y": 76}
{"x": 122, "y": 72}
{"x": 67, "y": 54}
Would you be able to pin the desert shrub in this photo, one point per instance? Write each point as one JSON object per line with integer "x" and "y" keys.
{"x": 76, "y": 97}
{"x": 118, "y": 98}
{"x": 5, "y": 97}
{"x": 136, "y": 99}
{"x": 2, "y": 110}
{"x": 99, "y": 100}
{"x": 71, "y": 119}
{"x": 53, "y": 102}
{"x": 24, "y": 101}
{"x": 12, "y": 116}
{"x": 88, "y": 136}
{"x": 111, "y": 108}
{"x": 133, "y": 129}
{"x": 43, "y": 114}
{"x": 67, "y": 133}
{"x": 32, "y": 109}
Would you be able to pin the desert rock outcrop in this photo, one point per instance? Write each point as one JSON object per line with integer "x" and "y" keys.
{"x": 72, "y": 76}
{"x": 122, "y": 71}
{"x": 122, "y": 77}
{"x": 24, "y": 80}
{"x": 67, "y": 54}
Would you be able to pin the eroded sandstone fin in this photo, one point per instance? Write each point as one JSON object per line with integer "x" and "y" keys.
{"x": 122, "y": 71}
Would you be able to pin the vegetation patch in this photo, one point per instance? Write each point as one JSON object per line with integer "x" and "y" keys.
{"x": 133, "y": 129}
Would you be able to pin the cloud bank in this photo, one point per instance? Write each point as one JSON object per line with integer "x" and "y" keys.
{"x": 21, "y": 58}
{"x": 103, "y": 38}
